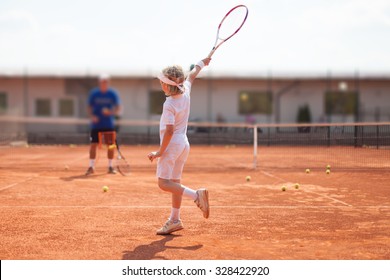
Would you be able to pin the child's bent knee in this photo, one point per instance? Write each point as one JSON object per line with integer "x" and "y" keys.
{"x": 163, "y": 184}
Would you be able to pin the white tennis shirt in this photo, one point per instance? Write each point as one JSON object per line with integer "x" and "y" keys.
{"x": 176, "y": 111}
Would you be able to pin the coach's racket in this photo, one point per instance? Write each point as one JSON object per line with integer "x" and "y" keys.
{"x": 121, "y": 163}
{"x": 230, "y": 25}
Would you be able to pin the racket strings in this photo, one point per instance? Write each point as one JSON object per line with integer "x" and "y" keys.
{"x": 232, "y": 22}
{"x": 123, "y": 166}
{"x": 121, "y": 163}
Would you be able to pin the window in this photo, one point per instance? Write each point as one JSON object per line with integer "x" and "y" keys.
{"x": 3, "y": 102}
{"x": 156, "y": 101}
{"x": 42, "y": 107}
{"x": 255, "y": 102}
{"x": 66, "y": 108}
{"x": 340, "y": 102}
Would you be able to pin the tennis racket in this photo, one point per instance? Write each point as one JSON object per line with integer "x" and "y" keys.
{"x": 121, "y": 163}
{"x": 230, "y": 25}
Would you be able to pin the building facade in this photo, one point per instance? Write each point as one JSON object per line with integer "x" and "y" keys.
{"x": 230, "y": 99}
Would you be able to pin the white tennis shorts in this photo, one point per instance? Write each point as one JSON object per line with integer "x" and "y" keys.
{"x": 170, "y": 165}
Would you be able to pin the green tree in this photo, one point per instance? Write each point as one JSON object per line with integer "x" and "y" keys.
{"x": 304, "y": 116}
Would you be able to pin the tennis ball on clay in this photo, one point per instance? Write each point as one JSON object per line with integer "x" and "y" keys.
{"x": 284, "y": 188}
{"x": 327, "y": 171}
{"x": 328, "y": 166}
{"x": 296, "y": 185}
{"x": 248, "y": 178}
{"x": 307, "y": 170}
{"x": 105, "y": 189}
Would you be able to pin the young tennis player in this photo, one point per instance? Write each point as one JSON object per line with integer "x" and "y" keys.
{"x": 174, "y": 145}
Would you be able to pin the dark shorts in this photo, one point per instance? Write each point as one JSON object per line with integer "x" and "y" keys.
{"x": 94, "y": 136}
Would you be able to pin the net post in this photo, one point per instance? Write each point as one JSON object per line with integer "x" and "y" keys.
{"x": 377, "y": 137}
{"x": 254, "y": 146}
{"x": 355, "y": 134}
{"x": 269, "y": 136}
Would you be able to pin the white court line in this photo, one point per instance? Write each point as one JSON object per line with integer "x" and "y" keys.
{"x": 36, "y": 175}
{"x": 305, "y": 190}
{"x": 331, "y": 198}
{"x": 15, "y": 184}
{"x": 212, "y": 207}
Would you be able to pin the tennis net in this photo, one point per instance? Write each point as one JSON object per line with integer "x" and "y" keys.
{"x": 347, "y": 145}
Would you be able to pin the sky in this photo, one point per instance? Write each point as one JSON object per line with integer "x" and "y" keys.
{"x": 123, "y": 36}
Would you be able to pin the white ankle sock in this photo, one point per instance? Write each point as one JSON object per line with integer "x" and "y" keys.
{"x": 110, "y": 163}
{"x": 190, "y": 193}
{"x": 91, "y": 163}
{"x": 175, "y": 214}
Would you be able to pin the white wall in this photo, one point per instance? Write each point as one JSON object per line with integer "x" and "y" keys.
{"x": 14, "y": 88}
{"x": 375, "y": 101}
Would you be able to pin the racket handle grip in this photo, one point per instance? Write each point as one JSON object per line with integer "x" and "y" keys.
{"x": 211, "y": 53}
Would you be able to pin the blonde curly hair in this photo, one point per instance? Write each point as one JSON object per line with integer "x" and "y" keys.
{"x": 174, "y": 73}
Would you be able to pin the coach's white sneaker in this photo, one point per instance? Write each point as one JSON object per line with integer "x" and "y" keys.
{"x": 90, "y": 171}
{"x": 170, "y": 226}
{"x": 111, "y": 170}
{"x": 202, "y": 201}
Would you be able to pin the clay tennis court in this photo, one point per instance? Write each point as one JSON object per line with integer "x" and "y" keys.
{"x": 48, "y": 212}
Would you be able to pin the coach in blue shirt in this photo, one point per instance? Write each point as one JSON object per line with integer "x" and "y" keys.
{"x": 103, "y": 106}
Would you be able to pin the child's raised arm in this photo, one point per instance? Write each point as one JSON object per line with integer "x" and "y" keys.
{"x": 194, "y": 72}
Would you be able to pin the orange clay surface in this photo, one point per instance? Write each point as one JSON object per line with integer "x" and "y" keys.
{"x": 48, "y": 211}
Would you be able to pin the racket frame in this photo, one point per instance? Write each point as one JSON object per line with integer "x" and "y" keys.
{"x": 216, "y": 46}
{"x": 121, "y": 157}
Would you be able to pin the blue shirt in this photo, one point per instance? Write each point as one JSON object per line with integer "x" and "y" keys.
{"x": 98, "y": 101}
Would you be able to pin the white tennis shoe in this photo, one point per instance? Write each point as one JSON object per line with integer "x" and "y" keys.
{"x": 202, "y": 201}
{"x": 170, "y": 226}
